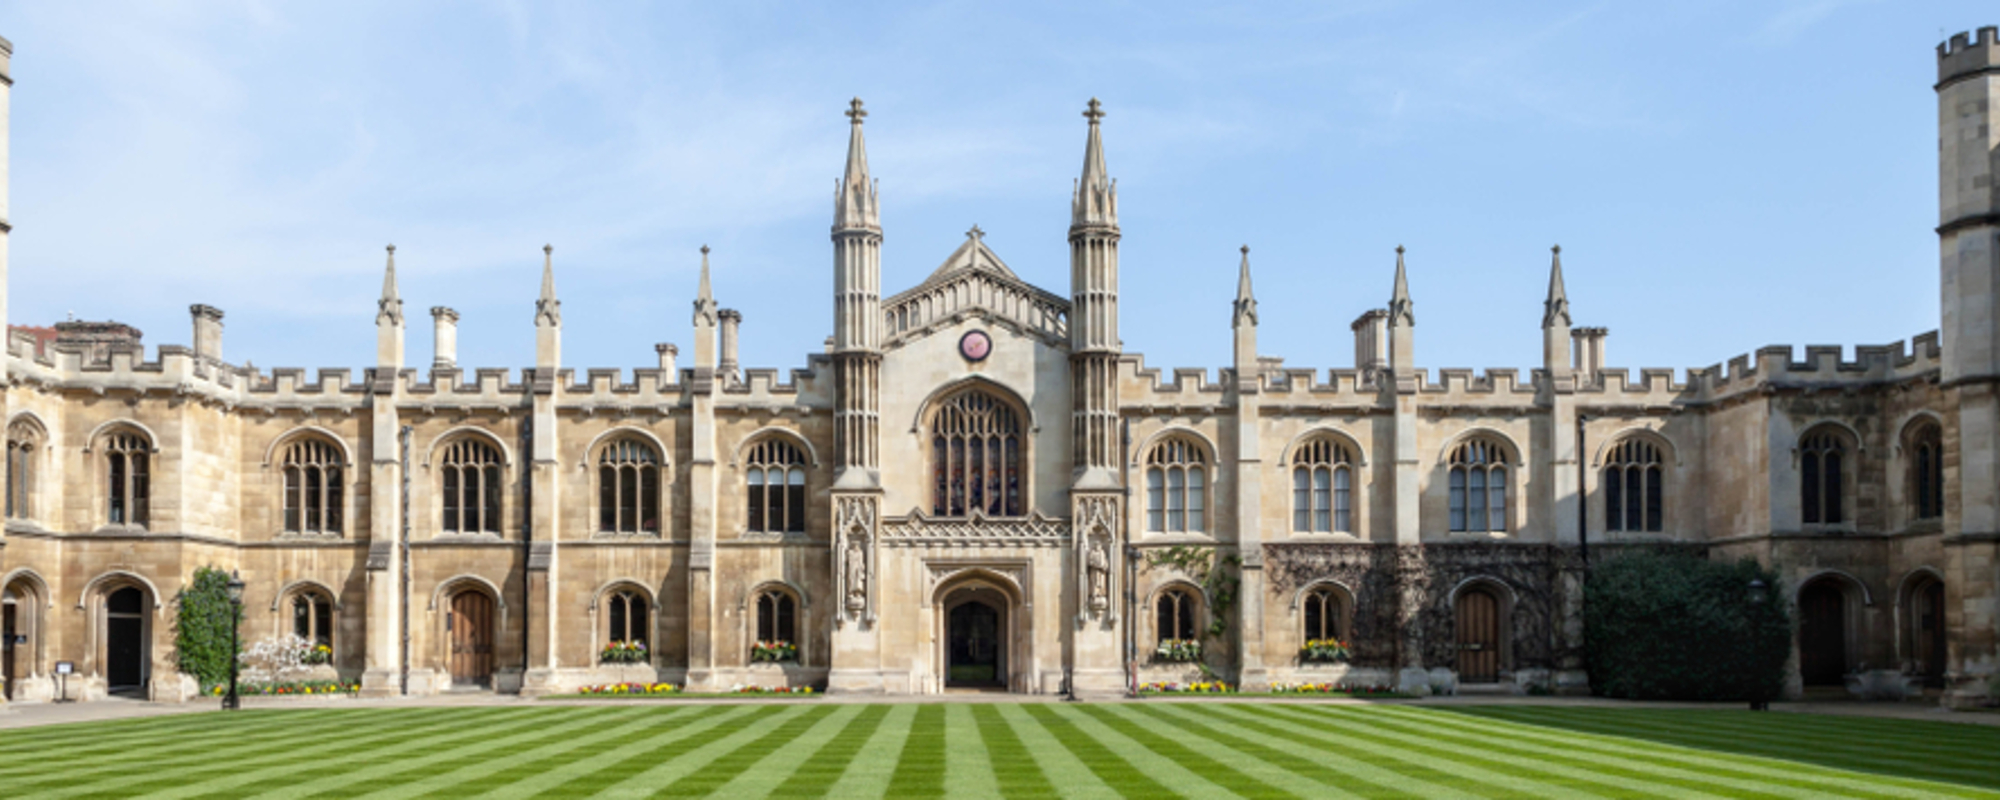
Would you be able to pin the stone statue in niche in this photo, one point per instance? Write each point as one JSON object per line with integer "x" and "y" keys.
{"x": 857, "y": 575}
{"x": 1100, "y": 576}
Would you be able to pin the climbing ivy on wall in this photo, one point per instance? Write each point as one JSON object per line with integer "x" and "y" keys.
{"x": 202, "y": 641}
{"x": 1217, "y": 579}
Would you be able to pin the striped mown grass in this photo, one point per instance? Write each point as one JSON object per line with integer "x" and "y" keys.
{"x": 1152, "y": 749}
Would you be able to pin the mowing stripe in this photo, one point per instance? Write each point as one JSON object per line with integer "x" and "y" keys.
{"x": 968, "y": 766}
{"x": 1114, "y": 770}
{"x": 1850, "y": 746}
{"x": 1014, "y": 771}
{"x": 688, "y": 730}
{"x": 1066, "y": 773}
{"x": 1209, "y": 768}
{"x": 1414, "y": 777}
{"x": 1331, "y": 782}
{"x": 920, "y": 770}
{"x": 210, "y": 729}
{"x": 868, "y": 775}
{"x": 68, "y": 740}
{"x": 664, "y": 766}
{"x": 1184, "y": 779}
{"x": 727, "y": 766}
{"x": 819, "y": 773}
{"x": 645, "y": 723}
{"x": 1730, "y": 770}
{"x": 464, "y": 772}
{"x": 760, "y": 779}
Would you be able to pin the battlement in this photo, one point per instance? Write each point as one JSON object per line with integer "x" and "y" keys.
{"x": 1965, "y": 56}
{"x": 1822, "y": 364}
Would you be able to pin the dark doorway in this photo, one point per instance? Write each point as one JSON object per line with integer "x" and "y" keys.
{"x": 469, "y": 626}
{"x": 8, "y": 628}
{"x": 1927, "y": 629}
{"x": 973, "y": 651}
{"x": 125, "y": 641}
{"x": 1822, "y": 635}
{"x": 1478, "y": 636}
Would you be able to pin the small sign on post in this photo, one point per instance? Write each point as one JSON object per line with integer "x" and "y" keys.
{"x": 63, "y": 670}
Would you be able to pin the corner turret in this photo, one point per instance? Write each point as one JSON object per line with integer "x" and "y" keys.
{"x": 548, "y": 317}
{"x": 1402, "y": 323}
{"x": 1093, "y": 321}
{"x": 706, "y": 315}
{"x": 1556, "y": 325}
{"x": 1244, "y": 324}
{"x": 855, "y": 196}
{"x": 1096, "y": 199}
{"x": 389, "y": 323}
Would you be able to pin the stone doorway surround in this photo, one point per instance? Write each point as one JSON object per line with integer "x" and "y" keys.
{"x": 1006, "y": 584}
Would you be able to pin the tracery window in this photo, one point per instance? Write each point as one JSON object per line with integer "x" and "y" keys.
{"x": 24, "y": 442}
{"x": 975, "y": 456}
{"x": 1322, "y": 487}
{"x": 128, "y": 478}
{"x": 626, "y": 617}
{"x": 628, "y": 488}
{"x": 1478, "y": 482}
{"x": 1176, "y": 486}
{"x": 470, "y": 472}
{"x": 1821, "y": 457}
{"x": 1174, "y": 614}
{"x": 312, "y": 617}
{"x": 1633, "y": 489}
{"x": 777, "y": 614}
{"x": 313, "y": 491}
{"x": 1927, "y": 471}
{"x": 1324, "y": 615}
{"x": 776, "y": 474}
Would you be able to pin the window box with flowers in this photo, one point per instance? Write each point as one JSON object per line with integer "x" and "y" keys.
{"x": 628, "y": 651}
{"x": 1178, "y": 651}
{"x": 774, "y": 652}
{"x": 1323, "y": 651}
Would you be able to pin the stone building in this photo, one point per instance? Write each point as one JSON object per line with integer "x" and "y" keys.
{"x": 975, "y": 484}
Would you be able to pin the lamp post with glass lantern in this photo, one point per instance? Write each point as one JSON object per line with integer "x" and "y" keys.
{"x": 235, "y": 586}
{"x": 1757, "y": 587}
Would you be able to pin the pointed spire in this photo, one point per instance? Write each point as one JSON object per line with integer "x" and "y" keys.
{"x": 1557, "y": 306}
{"x": 1096, "y": 200}
{"x": 1401, "y": 310}
{"x": 548, "y": 310}
{"x": 1246, "y": 299}
{"x": 390, "y": 307}
{"x": 704, "y": 301}
{"x": 854, "y": 196}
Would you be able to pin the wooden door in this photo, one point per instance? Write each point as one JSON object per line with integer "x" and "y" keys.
{"x": 973, "y": 648}
{"x": 1822, "y": 636}
{"x": 470, "y": 629}
{"x": 125, "y": 639}
{"x": 8, "y": 627}
{"x": 1478, "y": 637}
{"x": 1929, "y": 629}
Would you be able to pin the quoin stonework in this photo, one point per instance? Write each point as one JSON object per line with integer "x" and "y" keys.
{"x": 975, "y": 484}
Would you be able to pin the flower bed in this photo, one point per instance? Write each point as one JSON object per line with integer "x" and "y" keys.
{"x": 741, "y": 689}
{"x": 1178, "y": 651}
{"x": 256, "y": 688}
{"x": 773, "y": 652}
{"x": 316, "y": 655}
{"x": 1195, "y": 687}
{"x": 630, "y": 689}
{"x": 625, "y": 652}
{"x": 1323, "y": 651}
{"x": 1337, "y": 690}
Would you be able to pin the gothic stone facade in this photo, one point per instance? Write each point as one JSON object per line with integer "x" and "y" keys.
{"x": 976, "y": 485}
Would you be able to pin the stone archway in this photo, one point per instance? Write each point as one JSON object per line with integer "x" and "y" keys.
{"x": 127, "y": 650}
{"x": 1923, "y": 625}
{"x": 1822, "y": 633}
{"x": 981, "y": 635}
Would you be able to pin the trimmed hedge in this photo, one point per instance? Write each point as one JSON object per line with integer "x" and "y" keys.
{"x": 1663, "y": 626}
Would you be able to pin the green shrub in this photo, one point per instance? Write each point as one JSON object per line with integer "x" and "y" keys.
{"x": 1675, "y": 627}
{"x": 202, "y": 641}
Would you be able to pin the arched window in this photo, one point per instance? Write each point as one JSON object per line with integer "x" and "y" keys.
{"x": 1176, "y": 486}
{"x": 1325, "y": 615}
{"x": 128, "y": 478}
{"x": 975, "y": 456}
{"x": 1478, "y": 483}
{"x": 1632, "y": 487}
{"x": 1322, "y": 487}
{"x": 1927, "y": 470}
{"x": 312, "y": 487}
{"x": 1174, "y": 614}
{"x": 628, "y": 488}
{"x": 312, "y": 617}
{"x": 1821, "y": 457}
{"x": 625, "y": 617}
{"x": 776, "y": 473}
{"x": 24, "y": 442}
{"x": 777, "y": 616}
{"x": 470, "y": 471}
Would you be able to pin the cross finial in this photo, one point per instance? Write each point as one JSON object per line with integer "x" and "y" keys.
{"x": 975, "y": 234}
{"x": 548, "y": 249}
{"x": 855, "y": 112}
{"x": 1558, "y": 249}
{"x": 1246, "y": 249}
{"x": 1399, "y": 249}
{"x": 1095, "y": 112}
{"x": 704, "y": 249}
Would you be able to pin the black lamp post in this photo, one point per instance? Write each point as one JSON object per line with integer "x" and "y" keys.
{"x": 235, "y": 586}
{"x": 1757, "y": 587}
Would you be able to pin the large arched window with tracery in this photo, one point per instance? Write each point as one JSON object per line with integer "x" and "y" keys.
{"x": 469, "y": 474}
{"x": 1177, "y": 487}
{"x": 128, "y": 478}
{"x": 1478, "y": 482}
{"x": 1633, "y": 490}
{"x": 1822, "y": 461}
{"x": 628, "y": 488}
{"x": 1926, "y": 451}
{"x": 312, "y": 487}
{"x": 24, "y": 444}
{"x": 975, "y": 456}
{"x": 1322, "y": 487}
{"x": 775, "y": 470}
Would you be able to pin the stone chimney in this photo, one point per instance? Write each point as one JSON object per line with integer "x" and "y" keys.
{"x": 1588, "y": 353}
{"x": 731, "y": 320}
{"x": 207, "y": 331}
{"x": 669, "y": 360}
{"x": 445, "y": 325}
{"x": 1371, "y": 343}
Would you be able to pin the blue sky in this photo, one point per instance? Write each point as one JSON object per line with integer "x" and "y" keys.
{"x": 1721, "y": 175}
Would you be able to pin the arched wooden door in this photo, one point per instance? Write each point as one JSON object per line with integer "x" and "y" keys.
{"x": 1927, "y": 632}
{"x": 1822, "y": 635}
{"x": 125, "y": 640}
{"x": 1478, "y": 636}
{"x": 469, "y": 626}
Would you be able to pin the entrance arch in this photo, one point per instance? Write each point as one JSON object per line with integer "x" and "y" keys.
{"x": 1924, "y": 627}
{"x": 469, "y": 638}
{"x": 1822, "y": 633}
{"x": 1481, "y": 619}
{"x": 981, "y": 634}
{"x": 126, "y": 646}
{"x": 973, "y": 654}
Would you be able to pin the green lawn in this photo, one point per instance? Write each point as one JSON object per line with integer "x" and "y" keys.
{"x": 1209, "y": 749}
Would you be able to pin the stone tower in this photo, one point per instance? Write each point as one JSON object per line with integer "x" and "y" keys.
{"x": 857, "y": 367}
{"x": 1095, "y": 496}
{"x": 1968, "y": 90}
